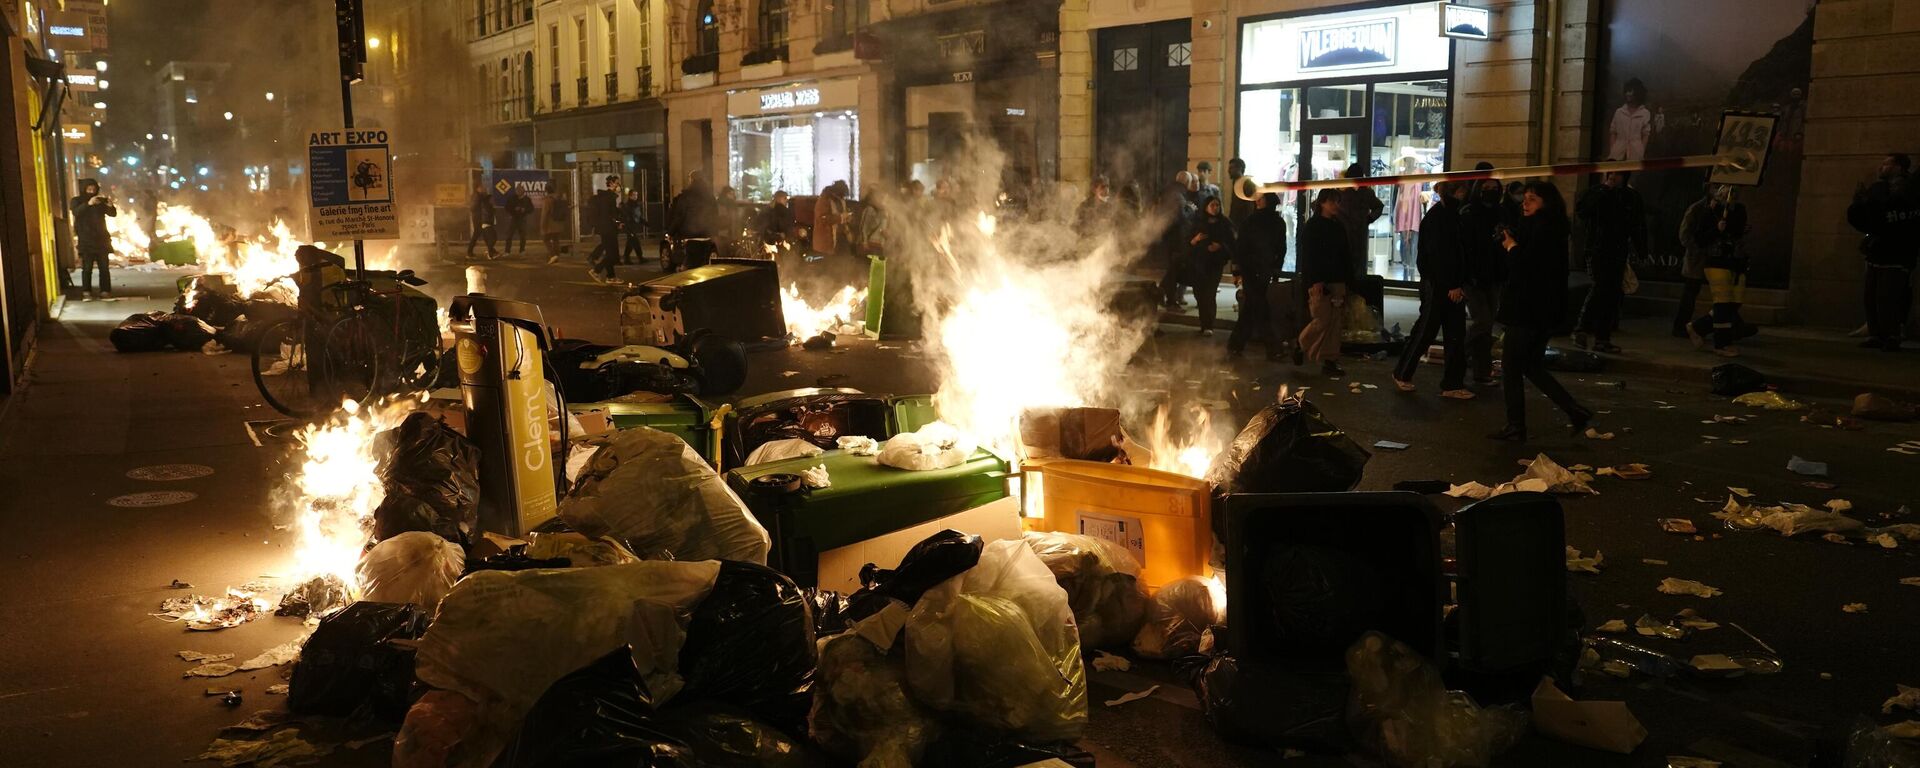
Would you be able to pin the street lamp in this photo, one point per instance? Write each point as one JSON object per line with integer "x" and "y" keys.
{"x": 104, "y": 84}
{"x": 99, "y": 105}
{"x": 269, "y": 95}
{"x": 373, "y": 43}
{"x": 227, "y": 115}
{"x": 100, "y": 65}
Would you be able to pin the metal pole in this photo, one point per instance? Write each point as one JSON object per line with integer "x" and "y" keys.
{"x": 349, "y": 18}
{"x": 1248, "y": 189}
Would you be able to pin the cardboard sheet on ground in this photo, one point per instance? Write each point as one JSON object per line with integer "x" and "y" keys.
{"x": 1606, "y": 725}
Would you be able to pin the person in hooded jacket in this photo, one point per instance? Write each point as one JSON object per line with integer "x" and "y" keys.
{"x": 1326, "y": 269}
{"x": 1480, "y": 221}
{"x": 1209, "y": 245}
{"x": 91, "y": 240}
{"x": 1533, "y": 304}
{"x": 1258, "y": 253}
{"x": 1887, "y": 213}
{"x": 1442, "y": 257}
{"x": 483, "y": 213}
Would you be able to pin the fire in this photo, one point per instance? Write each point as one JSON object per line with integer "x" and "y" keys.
{"x": 337, "y": 488}
{"x": 129, "y": 238}
{"x": 251, "y": 263}
{"x": 1190, "y": 454}
{"x": 805, "y": 319}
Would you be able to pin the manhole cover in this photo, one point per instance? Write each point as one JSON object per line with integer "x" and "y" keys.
{"x": 164, "y": 472}
{"x": 153, "y": 499}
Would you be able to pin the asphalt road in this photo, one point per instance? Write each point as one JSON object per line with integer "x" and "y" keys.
{"x": 92, "y": 680}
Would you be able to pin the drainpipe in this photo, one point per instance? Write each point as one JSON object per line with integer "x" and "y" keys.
{"x": 1548, "y": 47}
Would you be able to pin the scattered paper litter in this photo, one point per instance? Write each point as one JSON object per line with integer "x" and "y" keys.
{"x": 1839, "y": 505}
{"x": 1678, "y": 525}
{"x": 1715, "y": 662}
{"x": 1741, "y": 492}
{"x": 1648, "y": 626}
{"x": 1771, "y": 401}
{"x": 1132, "y": 696}
{"x": 1556, "y": 477}
{"x": 1673, "y": 586}
{"x": 1911, "y": 581}
{"x": 1908, "y": 697}
{"x": 1854, "y": 607}
{"x": 1885, "y": 540}
{"x": 275, "y": 656}
{"x": 1834, "y": 538}
{"x": 1801, "y": 466}
{"x": 1595, "y": 434}
{"x": 1390, "y": 445}
{"x": 1107, "y": 662}
{"x": 204, "y": 657}
{"x": 1907, "y": 730}
{"x": 1614, "y": 626}
{"x": 1470, "y": 490}
{"x": 277, "y": 689}
{"x": 1605, "y": 725}
{"x": 211, "y": 670}
{"x": 1651, "y": 561}
{"x": 1692, "y": 619}
{"x": 1584, "y": 564}
{"x": 1903, "y": 451}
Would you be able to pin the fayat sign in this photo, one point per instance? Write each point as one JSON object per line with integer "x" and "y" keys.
{"x": 1350, "y": 45}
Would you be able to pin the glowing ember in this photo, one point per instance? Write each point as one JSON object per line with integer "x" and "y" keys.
{"x": 806, "y": 320}
{"x": 337, "y": 488}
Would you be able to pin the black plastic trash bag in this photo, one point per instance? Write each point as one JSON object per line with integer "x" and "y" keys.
{"x": 1571, "y": 360}
{"x": 1270, "y": 705}
{"x": 353, "y": 662}
{"x": 831, "y": 611}
{"x": 1288, "y": 447}
{"x": 241, "y": 335}
{"x": 973, "y": 748}
{"x": 1734, "y": 380}
{"x": 599, "y": 715}
{"x": 186, "y": 332}
{"x": 750, "y": 642}
{"x": 140, "y": 333}
{"x": 217, "y": 307}
{"x": 935, "y": 559}
{"x": 719, "y": 736}
{"x": 432, "y": 477}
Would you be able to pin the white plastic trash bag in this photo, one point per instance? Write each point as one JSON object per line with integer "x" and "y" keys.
{"x": 502, "y": 638}
{"x": 935, "y": 446}
{"x": 650, "y": 490}
{"x": 415, "y": 567}
{"x": 997, "y": 645}
{"x": 778, "y": 450}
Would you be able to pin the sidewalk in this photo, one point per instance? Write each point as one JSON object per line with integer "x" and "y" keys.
{"x": 1816, "y": 362}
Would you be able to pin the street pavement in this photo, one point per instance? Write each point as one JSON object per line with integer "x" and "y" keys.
{"x": 93, "y": 679}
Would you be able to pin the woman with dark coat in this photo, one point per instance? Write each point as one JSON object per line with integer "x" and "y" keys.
{"x": 1325, "y": 267}
{"x": 1534, "y": 303}
{"x": 1209, "y": 243}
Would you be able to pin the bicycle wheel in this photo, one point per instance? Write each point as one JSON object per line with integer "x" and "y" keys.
{"x": 351, "y": 355}
{"x": 281, "y": 372}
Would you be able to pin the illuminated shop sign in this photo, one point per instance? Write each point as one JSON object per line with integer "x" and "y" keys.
{"x": 791, "y": 99}
{"x": 1357, "y": 45}
{"x": 811, "y": 96}
{"x": 1465, "y": 22}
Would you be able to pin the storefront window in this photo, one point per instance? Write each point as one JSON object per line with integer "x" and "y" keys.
{"x": 799, "y": 154}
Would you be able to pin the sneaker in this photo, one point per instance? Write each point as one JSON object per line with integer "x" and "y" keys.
{"x": 106, "y": 295}
{"x": 1458, "y": 394}
{"x": 555, "y": 259}
{"x": 595, "y": 276}
{"x": 1207, "y": 332}
{"x": 1727, "y": 352}
{"x": 87, "y": 297}
{"x": 1405, "y": 386}
{"x": 1699, "y": 342}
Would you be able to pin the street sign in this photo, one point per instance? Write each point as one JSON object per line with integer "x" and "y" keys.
{"x": 350, "y": 186}
{"x": 69, "y": 31}
{"x": 77, "y": 133}
{"x": 90, "y": 7}
{"x": 83, "y": 80}
{"x": 534, "y": 184}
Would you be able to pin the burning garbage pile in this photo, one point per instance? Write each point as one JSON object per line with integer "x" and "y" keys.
{"x": 244, "y": 284}
{"x": 815, "y": 326}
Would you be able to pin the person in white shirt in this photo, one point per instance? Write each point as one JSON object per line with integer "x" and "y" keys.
{"x": 1632, "y": 125}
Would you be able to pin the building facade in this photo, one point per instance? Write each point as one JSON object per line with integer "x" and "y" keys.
{"x": 597, "y": 108}
{"x": 500, "y": 37}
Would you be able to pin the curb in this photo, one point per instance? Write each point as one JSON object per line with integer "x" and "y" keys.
{"x": 1789, "y": 382}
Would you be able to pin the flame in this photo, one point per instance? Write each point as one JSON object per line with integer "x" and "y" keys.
{"x": 129, "y": 238}
{"x": 806, "y": 319}
{"x": 1190, "y": 454}
{"x": 251, "y": 263}
{"x": 337, "y": 488}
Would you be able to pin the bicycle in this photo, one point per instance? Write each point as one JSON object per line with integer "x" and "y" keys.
{"x": 345, "y": 343}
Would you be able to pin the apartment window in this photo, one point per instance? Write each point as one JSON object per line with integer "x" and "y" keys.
{"x": 706, "y": 29}
{"x": 645, "y": 32}
{"x": 526, "y": 11}
{"x": 499, "y": 15}
{"x": 504, "y": 96}
{"x": 479, "y": 17}
{"x": 846, "y": 17}
{"x": 613, "y": 41}
{"x": 580, "y": 59}
{"x": 772, "y": 26}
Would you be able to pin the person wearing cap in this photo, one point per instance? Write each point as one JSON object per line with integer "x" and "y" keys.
{"x": 91, "y": 240}
{"x": 1237, "y": 209}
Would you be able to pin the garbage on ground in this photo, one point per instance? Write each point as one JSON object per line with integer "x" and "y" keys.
{"x": 862, "y": 709}
{"x": 1390, "y": 445}
{"x": 1801, "y": 466}
{"x": 1634, "y": 471}
{"x": 1787, "y": 519}
{"x": 1101, "y": 581}
{"x": 1603, "y": 725}
{"x": 1673, "y": 586}
{"x": 579, "y": 550}
{"x": 1911, "y": 581}
{"x": 854, "y": 445}
{"x": 1595, "y": 434}
{"x": 1691, "y": 619}
{"x": 935, "y": 446}
{"x": 1648, "y": 626}
{"x": 202, "y": 613}
{"x": 1132, "y": 696}
{"x": 359, "y": 657}
{"x": 1771, "y": 401}
{"x": 416, "y": 567}
{"x": 651, "y": 491}
{"x": 1578, "y": 564}
{"x": 750, "y": 643}
{"x": 1182, "y": 611}
{"x": 1677, "y": 525}
{"x": 155, "y": 331}
{"x": 1905, "y": 696}
{"x": 432, "y": 479}
{"x": 1882, "y": 408}
{"x": 277, "y": 655}
{"x": 1854, "y": 608}
{"x": 1288, "y": 447}
{"x": 1107, "y": 662}
{"x": 1401, "y": 711}
{"x": 215, "y": 669}
{"x": 315, "y": 598}
{"x": 1621, "y": 659}
{"x": 1613, "y": 626}
{"x": 1559, "y": 480}
{"x": 1740, "y": 492}
{"x": 781, "y": 450}
{"x": 1734, "y": 379}
{"x": 1715, "y": 664}
{"x": 1824, "y": 419}
{"x": 197, "y": 656}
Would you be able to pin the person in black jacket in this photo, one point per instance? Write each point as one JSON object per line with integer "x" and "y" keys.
{"x": 1178, "y": 214}
{"x": 1442, "y": 249}
{"x": 1259, "y": 252}
{"x": 603, "y": 216}
{"x": 1888, "y": 215}
{"x": 633, "y": 220}
{"x": 776, "y": 225}
{"x": 1616, "y": 222}
{"x": 519, "y": 207}
{"x": 480, "y": 207}
{"x": 690, "y": 222}
{"x": 1480, "y": 220}
{"x": 1326, "y": 268}
{"x": 1209, "y": 244}
{"x": 1717, "y": 231}
{"x": 1533, "y": 304}
{"x": 91, "y": 240}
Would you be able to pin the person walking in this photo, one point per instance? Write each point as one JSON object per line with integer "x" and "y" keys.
{"x": 1327, "y": 269}
{"x": 1258, "y": 253}
{"x": 1442, "y": 259}
{"x": 633, "y": 219}
{"x": 1533, "y": 304}
{"x": 690, "y": 222}
{"x": 1697, "y": 235}
{"x": 1359, "y": 209}
{"x": 1616, "y": 222}
{"x": 1209, "y": 244}
{"x": 603, "y": 215}
{"x": 1480, "y": 222}
{"x": 1888, "y": 215}
{"x": 1723, "y": 228}
{"x": 556, "y": 222}
{"x": 480, "y": 208}
{"x": 92, "y": 242}
{"x": 519, "y": 207}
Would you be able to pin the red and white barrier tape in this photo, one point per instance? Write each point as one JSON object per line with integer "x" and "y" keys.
{"x": 1248, "y": 189}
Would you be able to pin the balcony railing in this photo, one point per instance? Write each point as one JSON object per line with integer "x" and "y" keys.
{"x": 580, "y": 91}
{"x": 643, "y": 80}
{"x": 553, "y": 96}
{"x": 613, "y": 87}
